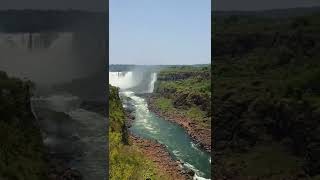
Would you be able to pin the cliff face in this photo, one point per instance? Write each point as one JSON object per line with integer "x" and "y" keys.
{"x": 183, "y": 95}
{"x": 91, "y": 87}
{"x": 185, "y": 88}
{"x": 21, "y": 148}
{"x": 116, "y": 112}
{"x": 266, "y": 99}
{"x": 175, "y": 76}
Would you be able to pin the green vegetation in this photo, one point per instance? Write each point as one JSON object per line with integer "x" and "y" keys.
{"x": 164, "y": 104}
{"x": 269, "y": 161}
{"x": 266, "y": 94}
{"x": 195, "y": 113}
{"x": 13, "y": 21}
{"x": 21, "y": 148}
{"x": 116, "y": 111}
{"x": 185, "y": 90}
{"x": 125, "y": 160}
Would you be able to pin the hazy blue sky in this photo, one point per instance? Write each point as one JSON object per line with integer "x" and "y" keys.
{"x": 160, "y": 31}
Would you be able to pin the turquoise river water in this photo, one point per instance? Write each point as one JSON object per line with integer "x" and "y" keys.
{"x": 174, "y": 137}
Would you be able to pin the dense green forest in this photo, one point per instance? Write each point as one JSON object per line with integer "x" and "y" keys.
{"x": 125, "y": 160}
{"x": 15, "y": 21}
{"x": 266, "y": 97}
{"x": 185, "y": 90}
{"x": 21, "y": 148}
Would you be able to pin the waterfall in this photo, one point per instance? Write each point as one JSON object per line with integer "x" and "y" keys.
{"x": 153, "y": 80}
{"x": 28, "y": 41}
{"x": 125, "y": 80}
{"x": 140, "y": 82}
{"x": 37, "y": 122}
{"x": 51, "y": 59}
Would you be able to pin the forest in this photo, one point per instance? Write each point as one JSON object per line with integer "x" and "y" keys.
{"x": 266, "y": 97}
{"x": 22, "y": 153}
{"x": 16, "y": 21}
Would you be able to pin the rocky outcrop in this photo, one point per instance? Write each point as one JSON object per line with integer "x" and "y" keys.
{"x": 59, "y": 170}
{"x": 161, "y": 157}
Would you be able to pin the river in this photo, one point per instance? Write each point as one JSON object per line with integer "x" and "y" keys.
{"x": 174, "y": 137}
{"x": 73, "y": 133}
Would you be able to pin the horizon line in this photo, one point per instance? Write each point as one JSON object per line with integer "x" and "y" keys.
{"x": 264, "y": 10}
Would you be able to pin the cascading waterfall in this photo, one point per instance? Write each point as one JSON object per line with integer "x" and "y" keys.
{"x": 133, "y": 79}
{"x": 44, "y": 58}
{"x": 30, "y": 41}
{"x": 123, "y": 80}
{"x": 153, "y": 80}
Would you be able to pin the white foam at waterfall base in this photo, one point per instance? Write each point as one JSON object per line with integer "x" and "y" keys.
{"x": 123, "y": 80}
{"x": 130, "y": 79}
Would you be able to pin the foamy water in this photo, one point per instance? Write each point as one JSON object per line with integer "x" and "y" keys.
{"x": 78, "y": 133}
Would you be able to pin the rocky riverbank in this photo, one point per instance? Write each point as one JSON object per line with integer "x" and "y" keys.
{"x": 158, "y": 153}
{"x": 199, "y": 134}
{"x": 162, "y": 158}
{"x": 59, "y": 170}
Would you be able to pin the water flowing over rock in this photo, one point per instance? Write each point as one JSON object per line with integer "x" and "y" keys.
{"x": 139, "y": 82}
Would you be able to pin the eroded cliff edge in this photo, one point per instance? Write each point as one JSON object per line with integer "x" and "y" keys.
{"x": 183, "y": 95}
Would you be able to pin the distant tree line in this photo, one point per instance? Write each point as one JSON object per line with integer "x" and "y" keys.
{"x": 15, "y": 21}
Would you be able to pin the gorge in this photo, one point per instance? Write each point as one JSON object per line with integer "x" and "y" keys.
{"x": 147, "y": 125}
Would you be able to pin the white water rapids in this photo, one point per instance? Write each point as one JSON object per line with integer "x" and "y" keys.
{"x": 75, "y": 133}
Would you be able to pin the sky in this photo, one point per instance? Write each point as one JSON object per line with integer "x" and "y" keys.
{"x": 261, "y": 4}
{"x": 150, "y": 32}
